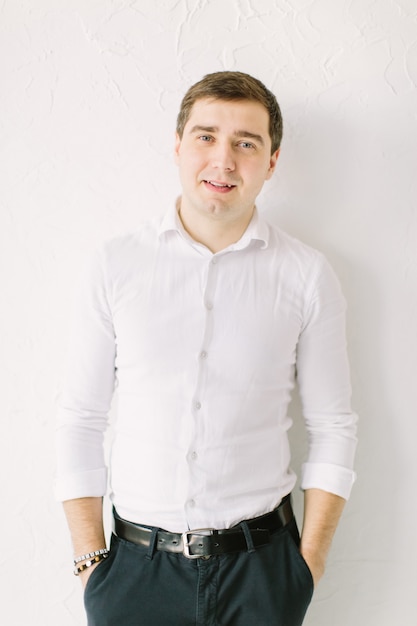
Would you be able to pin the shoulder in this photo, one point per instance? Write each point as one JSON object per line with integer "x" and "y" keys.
{"x": 293, "y": 251}
{"x": 146, "y": 235}
{"x": 117, "y": 258}
{"x": 129, "y": 247}
{"x": 302, "y": 266}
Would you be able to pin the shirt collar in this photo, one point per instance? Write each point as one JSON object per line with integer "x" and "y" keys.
{"x": 257, "y": 229}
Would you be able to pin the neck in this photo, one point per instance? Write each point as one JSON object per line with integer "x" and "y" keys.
{"x": 215, "y": 234}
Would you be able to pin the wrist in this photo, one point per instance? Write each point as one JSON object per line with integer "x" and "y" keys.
{"x": 90, "y": 555}
{"x": 87, "y": 564}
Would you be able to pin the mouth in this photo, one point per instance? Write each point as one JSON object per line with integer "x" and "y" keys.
{"x": 219, "y": 186}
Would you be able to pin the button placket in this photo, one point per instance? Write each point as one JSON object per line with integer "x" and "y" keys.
{"x": 202, "y": 363}
{"x": 208, "y": 298}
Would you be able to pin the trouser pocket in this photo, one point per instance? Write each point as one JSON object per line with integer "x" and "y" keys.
{"x": 298, "y": 562}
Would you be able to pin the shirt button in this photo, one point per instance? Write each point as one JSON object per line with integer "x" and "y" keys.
{"x": 194, "y": 456}
{"x": 214, "y": 261}
{"x": 197, "y": 405}
{"x": 191, "y": 503}
{"x": 203, "y": 354}
{"x": 209, "y": 306}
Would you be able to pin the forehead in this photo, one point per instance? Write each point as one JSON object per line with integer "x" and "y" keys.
{"x": 229, "y": 115}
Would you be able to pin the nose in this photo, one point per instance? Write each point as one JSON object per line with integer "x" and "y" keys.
{"x": 223, "y": 157}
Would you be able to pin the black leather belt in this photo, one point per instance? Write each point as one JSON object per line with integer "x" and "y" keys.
{"x": 206, "y": 542}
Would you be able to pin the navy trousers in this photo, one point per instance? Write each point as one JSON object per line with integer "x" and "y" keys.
{"x": 136, "y": 586}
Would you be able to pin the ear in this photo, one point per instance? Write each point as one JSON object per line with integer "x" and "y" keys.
{"x": 177, "y": 148}
{"x": 272, "y": 164}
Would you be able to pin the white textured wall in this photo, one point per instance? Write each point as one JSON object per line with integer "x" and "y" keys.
{"x": 89, "y": 91}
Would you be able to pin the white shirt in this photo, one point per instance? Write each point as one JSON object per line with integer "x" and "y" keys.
{"x": 204, "y": 350}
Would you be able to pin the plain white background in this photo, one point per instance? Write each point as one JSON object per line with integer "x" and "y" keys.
{"x": 89, "y": 91}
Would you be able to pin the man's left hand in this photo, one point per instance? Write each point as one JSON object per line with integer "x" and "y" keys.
{"x": 316, "y": 565}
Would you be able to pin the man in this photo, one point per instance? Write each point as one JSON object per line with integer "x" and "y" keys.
{"x": 204, "y": 319}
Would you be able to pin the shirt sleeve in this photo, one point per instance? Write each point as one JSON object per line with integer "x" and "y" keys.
{"x": 325, "y": 391}
{"x": 87, "y": 391}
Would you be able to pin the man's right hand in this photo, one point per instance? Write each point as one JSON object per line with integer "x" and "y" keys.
{"x": 85, "y": 575}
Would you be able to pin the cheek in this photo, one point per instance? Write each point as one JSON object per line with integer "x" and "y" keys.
{"x": 188, "y": 171}
{"x": 256, "y": 176}
{"x": 191, "y": 161}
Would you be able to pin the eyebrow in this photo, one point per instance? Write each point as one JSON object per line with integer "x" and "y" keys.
{"x": 238, "y": 133}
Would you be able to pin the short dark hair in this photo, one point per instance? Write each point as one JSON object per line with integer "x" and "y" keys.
{"x": 233, "y": 86}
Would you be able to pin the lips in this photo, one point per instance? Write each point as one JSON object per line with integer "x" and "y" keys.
{"x": 219, "y": 186}
{"x": 212, "y": 182}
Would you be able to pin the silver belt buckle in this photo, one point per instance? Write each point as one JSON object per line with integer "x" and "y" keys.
{"x": 186, "y": 546}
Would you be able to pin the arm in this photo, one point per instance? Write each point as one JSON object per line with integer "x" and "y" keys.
{"x": 81, "y": 474}
{"x": 85, "y": 521}
{"x": 323, "y": 376}
{"x": 322, "y": 511}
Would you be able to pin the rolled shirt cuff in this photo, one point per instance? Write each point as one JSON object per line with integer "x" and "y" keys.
{"x": 328, "y": 477}
{"x": 88, "y": 484}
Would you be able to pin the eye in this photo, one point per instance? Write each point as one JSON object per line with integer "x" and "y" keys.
{"x": 205, "y": 138}
{"x": 247, "y": 145}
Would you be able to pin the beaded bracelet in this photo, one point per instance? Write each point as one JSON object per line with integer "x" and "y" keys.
{"x": 90, "y": 555}
{"x": 87, "y": 564}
